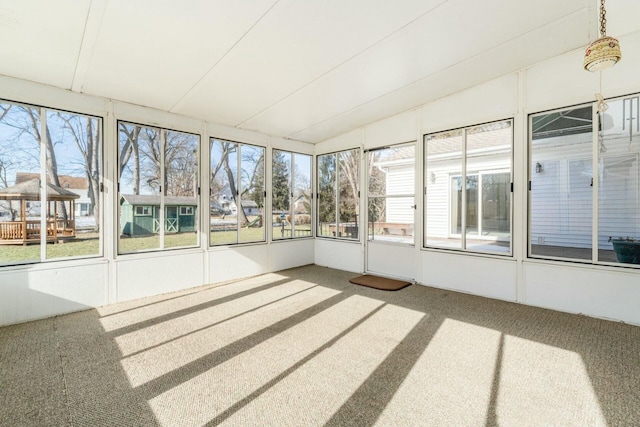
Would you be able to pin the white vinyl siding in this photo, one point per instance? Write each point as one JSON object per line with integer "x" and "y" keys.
{"x": 620, "y": 197}
{"x": 400, "y": 181}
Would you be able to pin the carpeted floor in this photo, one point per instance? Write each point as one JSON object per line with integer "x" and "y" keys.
{"x": 304, "y": 347}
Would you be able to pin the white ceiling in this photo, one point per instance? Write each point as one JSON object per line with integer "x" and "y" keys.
{"x": 304, "y": 70}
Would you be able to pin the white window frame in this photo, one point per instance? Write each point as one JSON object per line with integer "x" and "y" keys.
{"x": 292, "y": 186}
{"x": 337, "y": 199}
{"x": 162, "y": 193}
{"x": 42, "y": 116}
{"x": 463, "y": 174}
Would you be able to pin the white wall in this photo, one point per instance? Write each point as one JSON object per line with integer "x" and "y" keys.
{"x": 340, "y": 254}
{"x": 36, "y": 291}
{"x": 599, "y": 291}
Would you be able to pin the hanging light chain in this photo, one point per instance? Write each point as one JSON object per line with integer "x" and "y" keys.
{"x": 603, "y": 20}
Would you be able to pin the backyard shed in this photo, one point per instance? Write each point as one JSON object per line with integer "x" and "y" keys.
{"x": 140, "y": 215}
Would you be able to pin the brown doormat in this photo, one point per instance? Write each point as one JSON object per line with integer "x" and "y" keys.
{"x": 378, "y": 282}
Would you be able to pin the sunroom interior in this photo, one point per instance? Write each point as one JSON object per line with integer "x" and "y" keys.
{"x": 276, "y": 135}
{"x": 460, "y": 146}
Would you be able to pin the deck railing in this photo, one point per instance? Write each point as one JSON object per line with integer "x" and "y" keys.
{"x": 29, "y": 231}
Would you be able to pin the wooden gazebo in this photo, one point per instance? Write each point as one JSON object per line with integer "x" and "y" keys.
{"x": 60, "y": 225}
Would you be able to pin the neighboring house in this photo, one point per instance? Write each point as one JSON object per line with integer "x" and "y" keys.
{"x": 75, "y": 184}
{"x": 562, "y": 187}
{"x": 140, "y": 215}
{"x": 488, "y": 187}
{"x": 399, "y": 179}
{"x": 228, "y": 206}
{"x": 250, "y": 207}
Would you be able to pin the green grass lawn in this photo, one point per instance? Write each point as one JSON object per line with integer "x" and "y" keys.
{"x": 145, "y": 243}
{"x": 89, "y": 245}
{"x": 82, "y": 246}
{"x": 256, "y": 234}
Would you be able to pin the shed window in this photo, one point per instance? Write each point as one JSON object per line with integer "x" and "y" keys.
{"x": 143, "y": 210}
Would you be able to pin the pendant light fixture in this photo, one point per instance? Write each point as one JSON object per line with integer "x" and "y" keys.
{"x": 604, "y": 52}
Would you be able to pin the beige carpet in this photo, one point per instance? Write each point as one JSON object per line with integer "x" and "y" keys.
{"x": 303, "y": 347}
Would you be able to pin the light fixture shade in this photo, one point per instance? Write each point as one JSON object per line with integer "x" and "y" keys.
{"x": 602, "y": 53}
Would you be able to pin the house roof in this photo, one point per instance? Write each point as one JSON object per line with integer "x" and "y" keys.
{"x": 66, "y": 181}
{"x": 137, "y": 199}
{"x": 249, "y": 204}
{"x": 30, "y": 190}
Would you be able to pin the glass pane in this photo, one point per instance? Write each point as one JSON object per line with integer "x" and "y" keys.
{"x": 281, "y": 195}
{"x": 74, "y": 170}
{"x": 391, "y": 171}
{"x": 348, "y": 183}
{"x": 19, "y": 184}
{"x": 251, "y": 214}
{"x": 391, "y": 187}
{"x": 489, "y": 187}
{"x": 391, "y": 219}
{"x": 618, "y": 203}
{"x": 301, "y": 205}
{"x": 456, "y": 203}
{"x": 223, "y": 179}
{"x": 140, "y": 181}
{"x": 443, "y": 182}
{"x": 181, "y": 183}
{"x": 327, "y": 217}
{"x": 561, "y": 191}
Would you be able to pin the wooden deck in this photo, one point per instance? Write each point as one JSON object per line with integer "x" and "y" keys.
{"x": 26, "y": 232}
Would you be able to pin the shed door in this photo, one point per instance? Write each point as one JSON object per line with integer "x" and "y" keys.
{"x": 171, "y": 219}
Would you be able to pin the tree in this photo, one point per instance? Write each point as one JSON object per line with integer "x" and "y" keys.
{"x": 52, "y": 162}
{"x": 252, "y": 173}
{"x": 327, "y": 188}
{"x": 84, "y": 131}
{"x": 281, "y": 191}
{"x": 6, "y": 163}
{"x": 181, "y": 164}
{"x": 377, "y": 187}
{"x": 348, "y": 182}
{"x": 150, "y": 159}
{"x": 339, "y": 176}
{"x": 227, "y": 148}
{"x": 130, "y": 151}
{"x": 26, "y": 120}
